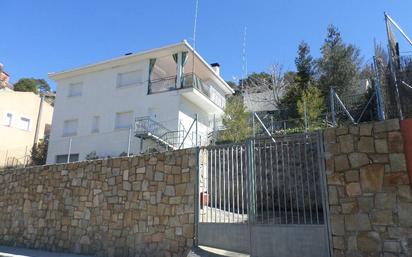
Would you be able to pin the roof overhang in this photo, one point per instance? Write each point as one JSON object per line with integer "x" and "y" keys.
{"x": 130, "y": 58}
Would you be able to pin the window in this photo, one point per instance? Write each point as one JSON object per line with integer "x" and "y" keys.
{"x": 70, "y": 127}
{"x": 8, "y": 119}
{"x": 75, "y": 89}
{"x": 63, "y": 158}
{"x": 95, "y": 124}
{"x": 123, "y": 120}
{"x": 129, "y": 78}
{"x": 24, "y": 124}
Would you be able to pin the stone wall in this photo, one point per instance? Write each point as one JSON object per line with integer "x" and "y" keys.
{"x": 137, "y": 206}
{"x": 369, "y": 193}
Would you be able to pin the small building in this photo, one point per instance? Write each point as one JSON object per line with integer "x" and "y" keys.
{"x": 25, "y": 119}
{"x": 4, "y": 79}
{"x": 136, "y": 103}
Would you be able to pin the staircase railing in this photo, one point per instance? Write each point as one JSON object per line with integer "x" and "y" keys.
{"x": 146, "y": 126}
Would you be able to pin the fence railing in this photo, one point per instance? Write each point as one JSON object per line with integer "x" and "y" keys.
{"x": 263, "y": 181}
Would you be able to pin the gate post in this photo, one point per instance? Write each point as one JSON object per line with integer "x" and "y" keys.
{"x": 197, "y": 198}
{"x": 324, "y": 188}
{"x": 250, "y": 143}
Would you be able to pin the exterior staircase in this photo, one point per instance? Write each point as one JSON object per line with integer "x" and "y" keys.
{"x": 147, "y": 128}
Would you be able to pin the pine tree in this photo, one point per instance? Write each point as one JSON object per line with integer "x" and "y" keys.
{"x": 235, "y": 121}
{"x": 339, "y": 66}
{"x": 315, "y": 105}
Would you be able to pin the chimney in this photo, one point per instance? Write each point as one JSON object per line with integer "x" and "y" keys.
{"x": 216, "y": 67}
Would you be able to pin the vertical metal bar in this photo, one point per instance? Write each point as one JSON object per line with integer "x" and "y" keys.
{"x": 210, "y": 183}
{"x": 197, "y": 198}
{"x": 332, "y": 106}
{"x": 392, "y": 68}
{"x": 306, "y": 116}
{"x": 69, "y": 151}
{"x": 261, "y": 181}
{"x": 237, "y": 182}
{"x": 314, "y": 181}
{"x": 215, "y": 173}
{"x": 251, "y": 182}
{"x": 302, "y": 189}
{"x": 224, "y": 185}
{"x": 308, "y": 180}
{"x": 196, "y": 129}
{"x": 233, "y": 188}
{"x": 266, "y": 183}
{"x": 272, "y": 184}
{"x": 220, "y": 186}
{"x": 242, "y": 187}
{"x": 129, "y": 139}
{"x": 277, "y": 181}
{"x": 289, "y": 181}
{"x": 295, "y": 173}
{"x": 283, "y": 152}
{"x": 325, "y": 200}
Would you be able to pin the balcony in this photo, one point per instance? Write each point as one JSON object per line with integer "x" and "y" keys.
{"x": 192, "y": 87}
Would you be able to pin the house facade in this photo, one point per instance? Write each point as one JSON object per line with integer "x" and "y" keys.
{"x": 136, "y": 103}
{"x": 4, "y": 79}
{"x": 25, "y": 119}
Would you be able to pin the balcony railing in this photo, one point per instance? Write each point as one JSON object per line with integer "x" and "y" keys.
{"x": 146, "y": 127}
{"x": 189, "y": 80}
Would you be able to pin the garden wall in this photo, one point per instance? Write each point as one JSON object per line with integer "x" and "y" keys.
{"x": 137, "y": 206}
{"x": 369, "y": 191}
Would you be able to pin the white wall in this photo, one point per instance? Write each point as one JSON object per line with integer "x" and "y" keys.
{"x": 187, "y": 112}
{"x": 101, "y": 96}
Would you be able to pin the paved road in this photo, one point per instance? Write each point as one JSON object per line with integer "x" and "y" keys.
{"x": 22, "y": 252}
{"x": 6, "y": 251}
{"x": 212, "y": 252}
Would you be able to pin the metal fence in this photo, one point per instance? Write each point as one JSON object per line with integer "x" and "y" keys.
{"x": 403, "y": 83}
{"x": 265, "y": 181}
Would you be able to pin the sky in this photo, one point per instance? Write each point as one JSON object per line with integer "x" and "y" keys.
{"x": 43, "y": 36}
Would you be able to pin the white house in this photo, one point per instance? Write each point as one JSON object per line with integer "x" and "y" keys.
{"x": 136, "y": 103}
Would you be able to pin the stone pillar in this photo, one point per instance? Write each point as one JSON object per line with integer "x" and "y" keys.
{"x": 370, "y": 197}
{"x": 406, "y": 128}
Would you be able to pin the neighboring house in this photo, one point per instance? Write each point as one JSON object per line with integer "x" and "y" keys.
{"x": 258, "y": 102}
{"x": 136, "y": 103}
{"x": 25, "y": 119}
{"x": 4, "y": 79}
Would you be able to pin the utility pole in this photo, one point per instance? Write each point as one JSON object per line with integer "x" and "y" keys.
{"x": 392, "y": 67}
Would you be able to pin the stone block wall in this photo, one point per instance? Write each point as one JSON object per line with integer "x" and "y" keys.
{"x": 370, "y": 196}
{"x": 137, "y": 206}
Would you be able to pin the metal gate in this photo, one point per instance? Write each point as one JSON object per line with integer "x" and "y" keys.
{"x": 265, "y": 197}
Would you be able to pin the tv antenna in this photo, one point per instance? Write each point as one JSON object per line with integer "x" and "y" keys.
{"x": 244, "y": 56}
{"x": 195, "y": 24}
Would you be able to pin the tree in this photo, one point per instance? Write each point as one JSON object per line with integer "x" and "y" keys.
{"x": 315, "y": 105}
{"x": 339, "y": 66}
{"x": 304, "y": 66}
{"x": 39, "y": 151}
{"x": 302, "y": 79}
{"x": 32, "y": 85}
{"x": 236, "y": 121}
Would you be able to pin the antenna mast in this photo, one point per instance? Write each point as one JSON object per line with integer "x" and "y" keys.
{"x": 194, "y": 41}
{"x": 244, "y": 56}
{"x": 195, "y": 24}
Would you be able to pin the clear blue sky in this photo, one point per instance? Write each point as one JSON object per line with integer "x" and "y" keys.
{"x": 47, "y": 35}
